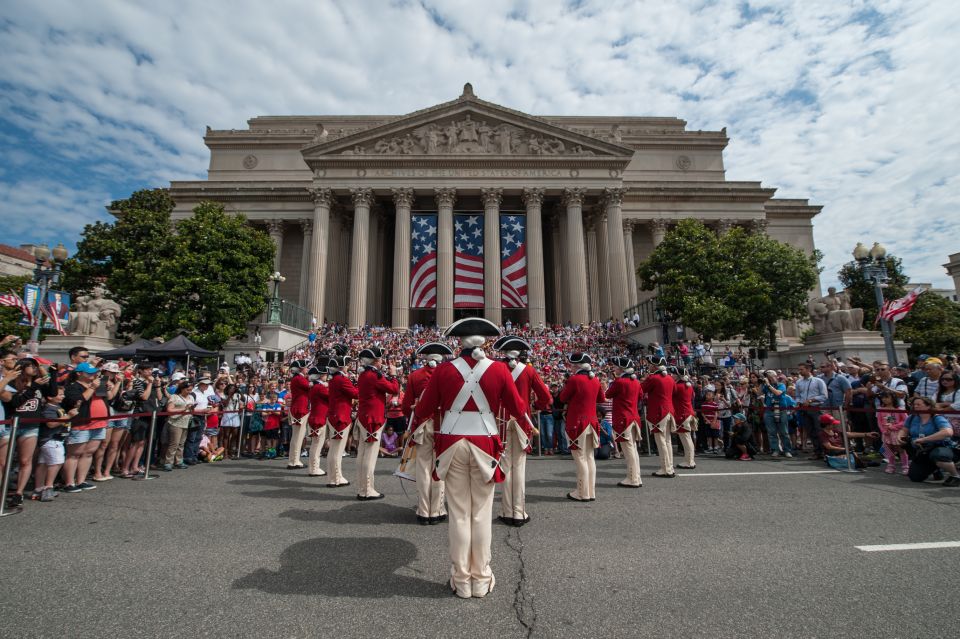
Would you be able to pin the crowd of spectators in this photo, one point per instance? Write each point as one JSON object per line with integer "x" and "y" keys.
{"x": 90, "y": 421}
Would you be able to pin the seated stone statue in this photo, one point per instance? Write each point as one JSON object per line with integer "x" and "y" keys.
{"x": 832, "y": 313}
{"x": 96, "y": 315}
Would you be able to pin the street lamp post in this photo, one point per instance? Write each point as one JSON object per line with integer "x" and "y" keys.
{"x": 873, "y": 263}
{"x": 44, "y": 278}
{"x": 274, "y": 315}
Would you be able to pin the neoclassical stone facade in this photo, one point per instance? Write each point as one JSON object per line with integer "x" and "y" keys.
{"x": 336, "y": 194}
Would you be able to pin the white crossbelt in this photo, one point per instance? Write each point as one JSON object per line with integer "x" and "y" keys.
{"x": 515, "y": 373}
{"x": 458, "y": 422}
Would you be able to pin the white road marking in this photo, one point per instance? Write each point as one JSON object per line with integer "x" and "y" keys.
{"x": 921, "y": 546}
{"x": 766, "y": 472}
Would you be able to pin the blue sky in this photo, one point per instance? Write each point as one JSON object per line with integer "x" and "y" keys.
{"x": 852, "y": 105}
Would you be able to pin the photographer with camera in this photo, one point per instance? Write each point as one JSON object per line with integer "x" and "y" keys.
{"x": 930, "y": 438}
{"x": 111, "y": 387}
{"x": 89, "y": 426}
{"x": 26, "y": 391}
{"x": 775, "y": 419}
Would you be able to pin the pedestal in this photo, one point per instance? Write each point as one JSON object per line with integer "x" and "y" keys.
{"x": 867, "y": 345}
{"x": 57, "y": 347}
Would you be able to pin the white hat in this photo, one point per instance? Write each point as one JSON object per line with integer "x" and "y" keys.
{"x": 179, "y": 375}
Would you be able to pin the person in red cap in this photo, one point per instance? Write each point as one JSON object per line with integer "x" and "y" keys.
{"x": 469, "y": 391}
{"x": 658, "y": 391}
{"x": 684, "y": 417}
{"x": 518, "y": 433}
{"x": 581, "y": 393}
{"x": 372, "y": 390}
{"x": 831, "y": 437}
{"x": 626, "y": 393}
{"x": 299, "y": 410}
{"x": 317, "y": 421}
{"x": 430, "y": 506}
{"x": 342, "y": 393}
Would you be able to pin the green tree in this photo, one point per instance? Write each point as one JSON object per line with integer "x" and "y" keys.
{"x": 10, "y": 316}
{"x": 932, "y": 326}
{"x": 738, "y": 284}
{"x": 861, "y": 288}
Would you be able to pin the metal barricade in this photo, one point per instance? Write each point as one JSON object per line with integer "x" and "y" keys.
{"x": 149, "y": 447}
{"x": 5, "y": 481}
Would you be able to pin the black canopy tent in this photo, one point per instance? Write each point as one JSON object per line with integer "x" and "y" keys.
{"x": 128, "y": 351}
{"x": 179, "y": 346}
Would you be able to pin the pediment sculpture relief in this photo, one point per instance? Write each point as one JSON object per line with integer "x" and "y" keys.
{"x": 469, "y": 136}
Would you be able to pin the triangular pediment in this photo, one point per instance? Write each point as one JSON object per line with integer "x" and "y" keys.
{"x": 466, "y": 126}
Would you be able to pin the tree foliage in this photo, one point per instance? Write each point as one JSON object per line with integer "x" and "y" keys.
{"x": 862, "y": 291}
{"x": 10, "y": 316}
{"x": 207, "y": 275}
{"x": 738, "y": 284}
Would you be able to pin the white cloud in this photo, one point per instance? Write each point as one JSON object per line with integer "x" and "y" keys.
{"x": 851, "y": 105}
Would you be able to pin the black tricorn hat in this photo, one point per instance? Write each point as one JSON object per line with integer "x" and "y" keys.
{"x": 318, "y": 370}
{"x": 298, "y": 363}
{"x": 622, "y": 362}
{"x": 579, "y": 358}
{"x": 340, "y": 350}
{"x": 472, "y": 326}
{"x": 371, "y": 353}
{"x": 511, "y": 343}
{"x": 338, "y": 362}
{"x": 434, "y": 348}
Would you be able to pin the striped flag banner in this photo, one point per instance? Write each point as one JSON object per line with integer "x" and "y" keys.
{"x": 12, "y": 299}
{"x": 52, "y": 316}
{"x": 468, "y": 261}
{"x": 423, "y": 258}
{"x": 513, "y": 261}
{"x": 896, "y": 310}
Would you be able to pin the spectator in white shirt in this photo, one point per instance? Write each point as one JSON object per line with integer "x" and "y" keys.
{"x": 811, "y": 394}
{"x": 884, "y": 381}
{"x": 928, "y": 386}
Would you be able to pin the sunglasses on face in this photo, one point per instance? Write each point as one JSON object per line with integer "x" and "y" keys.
{"x": 948, "y": 379}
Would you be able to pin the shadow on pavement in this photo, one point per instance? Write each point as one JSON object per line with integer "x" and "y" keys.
{"x": 357, "y": 513}
{"x": 345, "y": 567}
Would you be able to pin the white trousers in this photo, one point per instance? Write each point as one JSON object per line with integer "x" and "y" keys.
{"x": 513, "y": 496}
{"x": 470, "y": 506}
{"x": 316, "y": 447}
{"x": 429, "y": 492}
{"x": 586, "y": 466}
{"x": 665, "y": 451}
{"x": 367, "y": 453}
{"x": 298, "y": 431}
{"x": 335, "y": 459}
{"x": 632, "y": 457}
{"x": 687, "y": 440}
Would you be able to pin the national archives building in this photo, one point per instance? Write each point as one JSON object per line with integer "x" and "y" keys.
{"x": 472, "y": 208}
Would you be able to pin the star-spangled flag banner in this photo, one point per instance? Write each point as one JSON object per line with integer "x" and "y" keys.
{"x": 896, "y": 310}
{"x": 47, "y": 310}
{"x": 423, "y": 261}
{"x": 468, "y": 261}
{"x": 12, "y": 299}
{"x": 513, "y": 261}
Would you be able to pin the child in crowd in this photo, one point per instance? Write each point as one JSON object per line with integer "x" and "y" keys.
{"x": 209, "y": 452}
{"x": 389, "y": 442}
{"x": 50, "y": 444}
{"x": 272, "y": 414}
{"x": 711, "y": 418}
{"x": 212, "y": 426}
{"x": 891, "y": 423}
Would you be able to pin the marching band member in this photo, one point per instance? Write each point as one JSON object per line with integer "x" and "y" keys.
{"x": 626, "y": 392}
{"x": 658, "y": 391}
{"x": 469, "y": 391}
{"x": 430, "y": 506}
{"x": 581, "y": 393}
{"x": 342, "y": 392}
{"x": 684, "y": 416}
{"x": 372, "y": 389}
{"x": 299, "y": 410}
{"x": 517, "y": 433}
{"x": 319, "y": 406}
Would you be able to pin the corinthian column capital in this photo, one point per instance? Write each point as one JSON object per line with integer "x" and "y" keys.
{"x": 445, "y": 196}
{"x": 362, "y": 196}
{"x": 533, "y": 196}
{"x": 403, "y": 197}
{"x": 613, "y": 196}
{"x": 491, "y": 197}
{"x": 321, "y": 196}
{"x": 574, "y": 195}
{"x": 306, "y": 225}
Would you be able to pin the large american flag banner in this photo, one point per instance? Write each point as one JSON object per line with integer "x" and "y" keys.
{"x": 468, "y": 261}
{"x": 423, "y": 258}
{"x": 12, "y": 299}
{"x": 513, "y": 261}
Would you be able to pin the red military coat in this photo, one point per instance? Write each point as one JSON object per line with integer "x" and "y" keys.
{"x": 372, "y": 390}
{"x": 658, "y": 394}
{"x": 528, "y": 381}
{"x": 626, "y": 393}
{"x": 299, "y": 396}
{"x": 501, "y": 395}
{"x": 581, "y": 393}
{"x": 683, "y": 405}
{"x": 319, "y": 405}
{"x": 416, "y": 384}
{"x": 342, "y": 392}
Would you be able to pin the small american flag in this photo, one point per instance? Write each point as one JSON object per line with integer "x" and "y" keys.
{"x": 468, "y": 261}
{"x": 12, "y": 299}
{"x": 423, "y": 258}
{"x": 896, "y": 310}
{"x": 47, "y": 310}
{"x": 513, "y": 261}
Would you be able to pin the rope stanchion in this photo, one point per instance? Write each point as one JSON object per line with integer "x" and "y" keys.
{"x": 146, "y": 466}
{"x": 846, "y": 442}
{"x": 243, "y": 418}
{"x": 646, "y": 429}
{"x": 5, "y": 482}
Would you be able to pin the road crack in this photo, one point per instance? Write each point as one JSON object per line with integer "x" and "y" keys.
{"x": 523, "y": 606}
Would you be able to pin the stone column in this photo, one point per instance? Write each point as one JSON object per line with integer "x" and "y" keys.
{"x": 307, "y": 227}
{"x": 556, "y": 266}
{"x": 616, "y": 262}
{"x": 536, "y": 288}
{"x": 631, "y": 263}
{"x": 317, "y": 279}
{"x": 603, "y": 267}
{"x": 593, "y": 276}
{"x": 275, "y": 229}
{"x": 373, "y": 266}
{"x": 658, "y": 230}
{"x": 334, "y": 303}
{"x": 576, "y": 258}
{"x": 492, "y": 285}
{"x": 445, "y": 199}
{"x": 759, "y": 226}
{"x": 563, "y": 267}
{"x": 724, "y": 225}
{"x": 362, "y": 201}
{"x": 403, "y": 201}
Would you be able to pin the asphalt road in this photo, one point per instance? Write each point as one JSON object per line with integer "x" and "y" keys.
{"x": 248, "y": 548}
